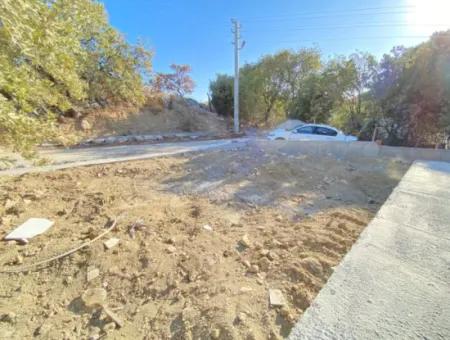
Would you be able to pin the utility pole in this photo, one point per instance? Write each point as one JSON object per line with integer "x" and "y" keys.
{"x": 237, "y": 47}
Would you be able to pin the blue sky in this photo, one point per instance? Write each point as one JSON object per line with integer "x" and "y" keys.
{"x": 197, "y": 32}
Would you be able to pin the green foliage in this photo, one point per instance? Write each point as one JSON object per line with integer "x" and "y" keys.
{"x": 272, "y": 86}
{"x": 221, "y": 90}
{"x": 58, "y": 54}
{"x": 413, "y": 90}
{"x": 406, "y": 95}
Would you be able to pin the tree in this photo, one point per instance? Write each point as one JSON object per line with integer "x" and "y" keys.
{"x": 222, "y": 94}
{"x": 179, "y": 82}
{"x": 55, "y": 55}
{"x": 413, "y": 88}
{"x": 406, "y": 94}
{"x": 356, "y": 105}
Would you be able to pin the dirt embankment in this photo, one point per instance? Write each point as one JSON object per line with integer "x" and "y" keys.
{"x": 159, "y": 115}
{"x": 202, "y": 240}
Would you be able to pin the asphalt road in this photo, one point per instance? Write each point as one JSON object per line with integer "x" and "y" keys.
{"x": 66, "y": 158}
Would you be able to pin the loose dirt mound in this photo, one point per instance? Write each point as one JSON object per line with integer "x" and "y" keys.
{"x": 202, "y": 240}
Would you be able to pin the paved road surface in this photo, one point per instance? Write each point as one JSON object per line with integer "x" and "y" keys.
{"x": 67, "y": 158}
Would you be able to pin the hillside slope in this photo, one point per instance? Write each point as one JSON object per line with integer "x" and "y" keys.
{"x": 159, "y": 115}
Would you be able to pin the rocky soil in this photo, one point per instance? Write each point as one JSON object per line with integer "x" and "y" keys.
{"x": 203, "y": 239}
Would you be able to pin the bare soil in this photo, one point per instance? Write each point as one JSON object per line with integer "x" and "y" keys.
{"x": 202, "y": 240}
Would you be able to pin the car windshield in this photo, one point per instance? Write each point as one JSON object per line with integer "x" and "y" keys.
{"x": 295, "y": 128}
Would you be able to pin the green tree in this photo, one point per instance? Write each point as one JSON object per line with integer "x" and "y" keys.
{"x": 221, "y": 90}
{"x": 58, "y": 54}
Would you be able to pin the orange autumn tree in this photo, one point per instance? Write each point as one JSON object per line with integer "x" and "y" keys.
{"x": 179, "y": 82}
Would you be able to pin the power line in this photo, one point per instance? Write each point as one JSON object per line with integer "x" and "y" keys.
{"x": 381, "y": 24}
{"x": 357, "y": 38}
{"x": 356, "y": 10}
{"x": 291, "y": 18}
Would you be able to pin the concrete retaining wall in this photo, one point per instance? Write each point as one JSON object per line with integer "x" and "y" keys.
{"x": 356, "y": 149}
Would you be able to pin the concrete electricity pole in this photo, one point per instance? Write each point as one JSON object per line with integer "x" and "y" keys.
{"x": 237, "y": 47}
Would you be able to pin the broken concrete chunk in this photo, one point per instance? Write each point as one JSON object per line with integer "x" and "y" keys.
{"x": 92, "y": 273}
{"x": 32, "y": 227}
{"x": 112, "y": 242}
{"x": 276, "y": 298}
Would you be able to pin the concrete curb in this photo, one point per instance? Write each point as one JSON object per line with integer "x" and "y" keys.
{"x": 394, "y": 283}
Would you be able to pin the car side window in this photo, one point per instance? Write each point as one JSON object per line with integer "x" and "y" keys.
{"x": 325, "y": 131}
{"x": 306, "y": 130}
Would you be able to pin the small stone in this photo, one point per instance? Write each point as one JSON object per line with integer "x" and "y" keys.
{"x": 18, "y": 259}
{"x": 246, "y": 264}
{"x": 9, "y": 317}
{"x": 112, "y": 242}
{"x": 276, "y": 243}
{"x": 260, "y": 281}
{"x": 42, "y": 329}
{"x": 171, "y": 249}
{"x": 254, "y": 269}
{"x": 215, "y": 333}
{"x": 276, "y": 298}
{"x": 257, "y": 245}
{"x": 272, "y": 256}
{"x": 279, "y": 218}
{"x": 207, "y": 227}
{"x": 92, "y": 273}
{"x": 68, "y": 280}
{"x": 313, "y": 265}
{"x": 109, "y": 327}
{"x": 241, "y": 317}
{"x": 227, "y": 253}
{"x": 264, "y": 252}
{"x": 170, "y": 240}
{"x": 245, "y": 289}
{"x": 284, "y": 312}
{"x": 245, "y": 241}
{"x": 264, "y": 264}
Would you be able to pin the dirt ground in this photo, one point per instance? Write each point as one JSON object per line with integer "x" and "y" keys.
{"x": 202, "y": 237}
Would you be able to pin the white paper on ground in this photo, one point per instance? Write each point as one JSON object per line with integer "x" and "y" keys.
{"x": 29, "y": 229}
